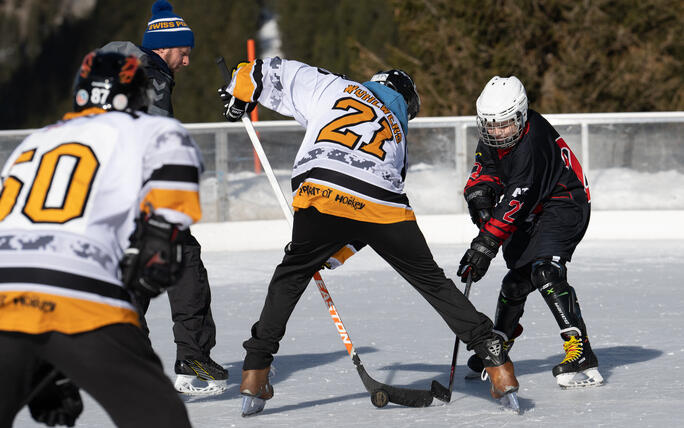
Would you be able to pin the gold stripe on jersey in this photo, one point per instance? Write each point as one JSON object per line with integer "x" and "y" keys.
{"x": 26, "y": 156}
{"x": 184, "y": 201}
{"x": 335, "y": 202}
{"x": 244, "y": 87}
{"x": 34, "y": 313}
{"x": 86, "y": 112}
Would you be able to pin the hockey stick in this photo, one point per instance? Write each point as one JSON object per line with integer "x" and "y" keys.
{"x": 38, "y": 388}
{"x": 381, "y": 393}
{"x": 438, "y": 390}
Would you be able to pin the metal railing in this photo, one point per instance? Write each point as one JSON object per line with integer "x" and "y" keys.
{"x": 441, "y": 150}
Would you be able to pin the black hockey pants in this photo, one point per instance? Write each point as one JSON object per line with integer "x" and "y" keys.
{"x": 114, "y": 364}
{"x": 316, "y": 236}
{"x": 194, "y": 330}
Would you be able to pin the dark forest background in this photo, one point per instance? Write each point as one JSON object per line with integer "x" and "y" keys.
{"x": 573, "y": 56}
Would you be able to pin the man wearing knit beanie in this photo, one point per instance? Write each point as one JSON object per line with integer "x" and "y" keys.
{"x": 165, "y": 49}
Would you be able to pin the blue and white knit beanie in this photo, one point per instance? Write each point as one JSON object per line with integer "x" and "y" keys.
{"x": 166, "y": 29}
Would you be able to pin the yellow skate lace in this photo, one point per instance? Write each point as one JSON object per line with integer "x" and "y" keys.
{"x": 572, "y": 348}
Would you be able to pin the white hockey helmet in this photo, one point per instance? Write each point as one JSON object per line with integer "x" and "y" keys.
{"x": 502, "y": 112}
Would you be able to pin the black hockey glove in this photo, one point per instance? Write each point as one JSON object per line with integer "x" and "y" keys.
{"x": 56, "y": 403}
{"x": 481, "y": 201}
{"x": 234, "y": 108}
{"x": 154, "y": 260}
{"x": 477, "y": 259}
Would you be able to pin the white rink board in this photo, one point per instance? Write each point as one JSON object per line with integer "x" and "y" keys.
{"x": 443, "y": 229}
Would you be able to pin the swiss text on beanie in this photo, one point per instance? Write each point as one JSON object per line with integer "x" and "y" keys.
{"x": 166, "y": 29}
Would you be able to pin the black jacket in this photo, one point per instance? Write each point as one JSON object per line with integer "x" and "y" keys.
{"x": 159, "y": 75}
{"x": 538, "y": 169}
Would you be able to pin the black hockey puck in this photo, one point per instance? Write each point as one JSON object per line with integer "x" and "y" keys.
{"x": 379, "y": 398}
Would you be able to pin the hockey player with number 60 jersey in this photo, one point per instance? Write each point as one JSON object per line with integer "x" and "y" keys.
{"x": 90, "y": 212}
{"x": 348, "y": 187}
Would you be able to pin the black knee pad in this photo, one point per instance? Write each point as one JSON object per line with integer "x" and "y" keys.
{"x": 547, "y": 271}
{"x": 516, "y": 285}
{"x": 550, "y": 278}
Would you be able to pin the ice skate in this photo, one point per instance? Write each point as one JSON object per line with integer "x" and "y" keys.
{"x": 200, "y": 377}
{"x": 499, "y": 369}
{"x": 255, "y": 388}
{"x": 475, "y": 363}
{"x": 579, "y": 368}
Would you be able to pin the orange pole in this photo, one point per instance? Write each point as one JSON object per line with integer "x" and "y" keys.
{"x": 254, "y": 115}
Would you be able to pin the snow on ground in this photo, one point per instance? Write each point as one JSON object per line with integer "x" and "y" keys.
{"x": 631, "y": 297}
{"x": 626, "y": 189}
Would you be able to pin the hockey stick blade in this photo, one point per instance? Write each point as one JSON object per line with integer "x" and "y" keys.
{"x": 402, "y": 396}
{"x": 440, "y": 391}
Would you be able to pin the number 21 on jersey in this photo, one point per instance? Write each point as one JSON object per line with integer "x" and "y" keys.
{"x": 359, "y": 113}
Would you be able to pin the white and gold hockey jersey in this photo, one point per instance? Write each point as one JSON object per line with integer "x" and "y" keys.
{"x": 70, "y": 194}
{"x": 352, "y": 160}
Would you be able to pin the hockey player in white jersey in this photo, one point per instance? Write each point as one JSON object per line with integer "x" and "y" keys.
{"x": 90, "y": 211}
{"x": 348, "y": 187}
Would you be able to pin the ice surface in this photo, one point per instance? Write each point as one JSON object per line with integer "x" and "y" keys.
{"x": 631, "y": 294}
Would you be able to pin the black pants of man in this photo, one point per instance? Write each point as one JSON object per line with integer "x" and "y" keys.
{"x": 115, "y": 364}
{"x": 194, "y": 330}
{"x": 317, "y": 236}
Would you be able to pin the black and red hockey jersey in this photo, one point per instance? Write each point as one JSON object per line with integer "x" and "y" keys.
{"x": 538, "y": 169}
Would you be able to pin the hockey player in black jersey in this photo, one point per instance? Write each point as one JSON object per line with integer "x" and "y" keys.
{"x": 527, "y": 193}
